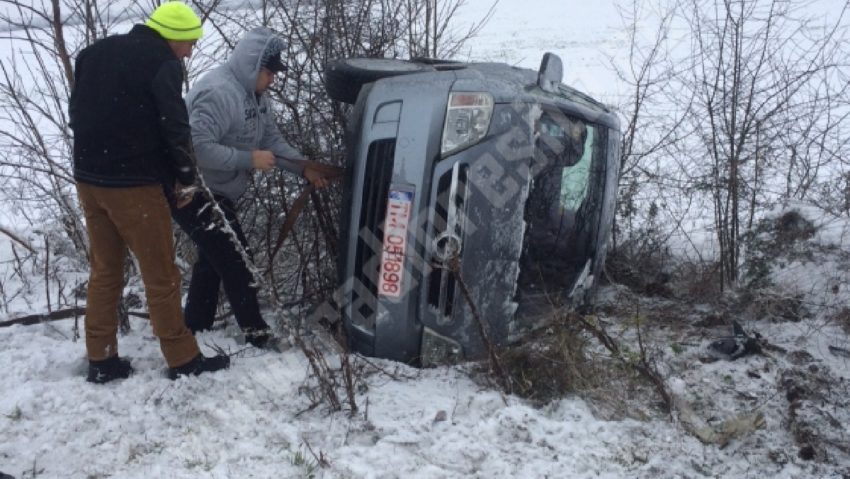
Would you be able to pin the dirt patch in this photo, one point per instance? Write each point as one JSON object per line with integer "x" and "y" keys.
{"x": 817, "y": 413}
{"x": 783, "y": 403}
{"x": 842, "y": 318}
{"x": 789, "y": 381}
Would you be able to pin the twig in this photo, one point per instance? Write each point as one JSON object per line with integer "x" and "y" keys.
{"x": 320, "y": 459}
{"x": 17, "y": 239}
{"x": 643, "y": 366}
{"x": 348, "y": 377}
{"x": 55, "y": 316}
{"x": 321, "y": 370}
{"x": 76, "y": 318}
{"x": 47, "y": 271}
{"x": 495, "y": 364}
{"x": 394, "y": 375}
{"x": 40, "y": 318}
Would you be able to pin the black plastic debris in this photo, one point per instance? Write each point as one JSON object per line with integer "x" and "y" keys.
{"x": 738, "y": 345}
{"x": 836, "y": 351}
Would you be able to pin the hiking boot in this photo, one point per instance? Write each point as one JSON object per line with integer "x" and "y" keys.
{"x": 200, "y": 364}
{"x": 108, "y": 369}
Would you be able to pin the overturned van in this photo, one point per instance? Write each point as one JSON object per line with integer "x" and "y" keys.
{"x": 478, "y": 197}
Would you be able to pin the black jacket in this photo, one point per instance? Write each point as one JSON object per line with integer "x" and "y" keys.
{"x": 129, "y": 120}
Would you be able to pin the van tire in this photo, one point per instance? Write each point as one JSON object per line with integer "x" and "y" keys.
{"x": 344, "y": 78}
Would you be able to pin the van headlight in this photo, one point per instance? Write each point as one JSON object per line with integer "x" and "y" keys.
{"x": 467, "y": 120}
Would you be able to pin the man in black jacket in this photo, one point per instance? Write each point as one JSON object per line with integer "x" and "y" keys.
{"x": 132, "y": 146}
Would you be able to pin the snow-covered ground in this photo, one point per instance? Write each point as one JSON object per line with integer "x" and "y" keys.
{"x": 256, "y": 420}
{"x": 252, "y": 421}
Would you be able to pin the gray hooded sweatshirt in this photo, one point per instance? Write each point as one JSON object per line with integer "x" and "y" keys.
{"x": 229, "y": 121}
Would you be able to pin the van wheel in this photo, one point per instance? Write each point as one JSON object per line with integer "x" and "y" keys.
{"x": 344, "y": 78}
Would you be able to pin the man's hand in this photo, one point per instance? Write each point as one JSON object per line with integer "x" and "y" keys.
{"x": 263, "y": 160}
{"x": 314, "y": 176}
{"x": 183, "y": 194}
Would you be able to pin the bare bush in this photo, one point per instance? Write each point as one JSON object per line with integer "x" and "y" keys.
{"x": 303, "y": 273}
{"x": 767, "y": 108}
{"x": 36, "y": 139}
{"x": 735, "y": 106}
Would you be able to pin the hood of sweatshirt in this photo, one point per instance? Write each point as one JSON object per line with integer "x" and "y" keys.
{"x": 250, "y": 54}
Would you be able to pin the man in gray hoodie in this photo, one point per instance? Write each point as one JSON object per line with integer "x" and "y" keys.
{"x": 234, "y": 134}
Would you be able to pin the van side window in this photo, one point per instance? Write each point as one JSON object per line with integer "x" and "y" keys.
{"x": 574, "y": 179}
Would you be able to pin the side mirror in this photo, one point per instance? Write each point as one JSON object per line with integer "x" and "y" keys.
{"x": 551, "y": 72}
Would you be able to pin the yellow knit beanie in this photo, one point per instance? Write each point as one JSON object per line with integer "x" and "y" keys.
{"x": 175, "y": 21}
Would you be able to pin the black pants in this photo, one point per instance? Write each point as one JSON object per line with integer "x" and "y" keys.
{"x": 219, "y": 261}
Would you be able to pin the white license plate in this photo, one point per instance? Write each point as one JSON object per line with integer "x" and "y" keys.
{"x": 399, "y": 204}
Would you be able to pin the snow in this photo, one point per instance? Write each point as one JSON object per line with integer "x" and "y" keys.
{"x": 244, "y": 421}
{"x": 256, "y": 419}
{"x": 249, "y": 420}
{"x": 585, "y": 36}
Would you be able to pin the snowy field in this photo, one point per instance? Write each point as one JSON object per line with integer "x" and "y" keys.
{"x": 257, "y": 420}
{"x": 586, "y": 35}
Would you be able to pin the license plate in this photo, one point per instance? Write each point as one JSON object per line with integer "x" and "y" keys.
{"x": 399, "y": 204}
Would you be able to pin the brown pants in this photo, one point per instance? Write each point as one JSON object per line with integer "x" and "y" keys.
{"x": 138, "y": 218}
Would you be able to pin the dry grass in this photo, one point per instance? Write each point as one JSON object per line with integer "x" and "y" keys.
{"x": 564, "y": 359}
{"x": 550, "y": 363}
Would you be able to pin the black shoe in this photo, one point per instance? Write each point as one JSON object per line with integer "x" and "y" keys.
{"x": 263, "y": 340}
{"x": 257, "y": 337}
{"x": 200, "y": 364}
{"x": 108, "y": 369}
